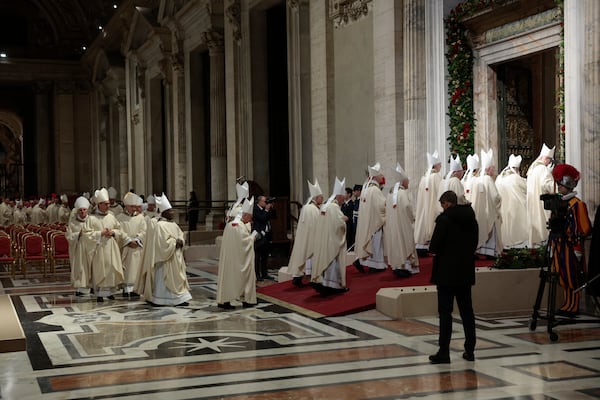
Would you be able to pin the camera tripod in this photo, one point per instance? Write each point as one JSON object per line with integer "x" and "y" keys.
{"x": 547, "y": 275}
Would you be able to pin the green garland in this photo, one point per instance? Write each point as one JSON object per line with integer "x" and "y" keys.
{"x": 460, "y": 77}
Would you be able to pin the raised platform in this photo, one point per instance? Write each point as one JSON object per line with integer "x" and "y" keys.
{"x": 12, "y": 337}
{"x": 495, "y": 291}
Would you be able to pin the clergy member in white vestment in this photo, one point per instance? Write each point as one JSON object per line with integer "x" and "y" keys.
{"x": 539, "y": 181}
{"x": 19, "y": 215}
{"x": 38, "y": 213}
{"x": 133, "y": 224}
{"x": 329, "y": 261}
{"x": 513, "y": 208}
{"x": 242, "y": 192}
{"x": 4, "y": 208}
{"x": 236, "y": 276}
{"x": 103, "y": 237}
{"x": 471, "y": 173}
{"x": 64, "y": 212}
{"x": 52, "y": 209}
{"x": 486, "y": 202}
{"x": 150, "y": 211}
{"x": 115, "y": 207}
{"x": 303, "y": 250}
{"x": 368, "y": 243}
{"x": 399, "y": 228}
{"x": 452, "y": 181}
{"x": 428, "y": 206}
{"x": 78, "y": 256}
{"x": 163, "y": 281}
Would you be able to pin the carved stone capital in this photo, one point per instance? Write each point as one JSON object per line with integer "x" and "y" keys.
{"x": 234, "y": 16}
{"x": 214, "y": 40}
{"x": 344, "y": 12}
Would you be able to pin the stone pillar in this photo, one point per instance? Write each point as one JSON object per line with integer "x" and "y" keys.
{"x": 321, "y": 86}
{"x": 590, "y": 113}
{"x": 298, "y": 78}
{"x": 42, "y": 134}
{"x": 218, "y": 137}
{"x": 388, "y": 97}
{"x": 435, "y": 46}
{"x": 415, "y": 113}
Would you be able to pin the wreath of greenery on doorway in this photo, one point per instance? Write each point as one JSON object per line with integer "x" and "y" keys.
{"x": 459, "y": 58}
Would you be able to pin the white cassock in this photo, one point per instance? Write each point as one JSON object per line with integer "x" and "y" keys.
{"x": 115, "y": 209}
{"x": 329, "y": 260}
{"x": 236, "y": 276}
{"x": 163, "y": 279}
{"x": 486, "y": 202}
{"x": 52, "y": 211}
{"x": 467, "y": 182}
{"x": 38, "y": 215}
{"x": 513, "y": 208}
{"x": 427, "y": 208}
{"x": 398, "y": 231}
{"x": 78, "y": 257}
{"x": 454, "y": 184}
{"x": 134, "y": 228}
{"x": 104, "y": 252}
{"x": 63, "y": 214}
{"x": 368, "y": 244}
{"x": 539, "y": 181}
{"x": 304, "y": 245}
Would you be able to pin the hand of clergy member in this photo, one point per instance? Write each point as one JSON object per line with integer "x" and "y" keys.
{"x": 133, "y": 244}
{"x": 107, "y": 232}
{"x": 178, "y": 244}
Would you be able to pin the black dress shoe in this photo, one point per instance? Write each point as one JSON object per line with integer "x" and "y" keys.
{"x": 134, "y": 295}
{"x": 184, "y": 304}
{"x": 297, "y": 281}
{"x": 566, "y": 314}
{"x": 402, "y": 273}
{"x": 78, "y": 293}
{"x": 111, "y": 297}
{"x": 225, "y": 306}
{"x": 375, "y": 270}
{"x": 99, "y": 299}
{"x": 359, "y": 266}
{"x": 438, "y": 358}
{"x": 469, "y": 356}
{"x": 248, "y": 305}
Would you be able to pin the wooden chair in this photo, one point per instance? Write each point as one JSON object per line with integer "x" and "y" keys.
{"x": 7, "y": 257}
{"x": 33, "y": 253}
{"x": 59, "y": 251}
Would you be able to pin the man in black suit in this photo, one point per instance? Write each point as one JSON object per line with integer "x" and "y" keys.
{"x": 348, "y": 210}
{"x": 262, "y": 226}
{"x": 453, "y": 244}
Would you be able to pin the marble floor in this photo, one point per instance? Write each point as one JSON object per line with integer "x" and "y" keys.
{"x": 80, "y": 349}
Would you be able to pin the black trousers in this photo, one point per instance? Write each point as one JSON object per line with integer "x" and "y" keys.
{"x": 261, "y": 256}
{"x": 446, "y": 296}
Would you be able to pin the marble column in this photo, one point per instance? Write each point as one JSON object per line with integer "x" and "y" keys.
{"x": 321, "y": 87}
{"x": 388, "y": 97}
{"x": 590, "y": 113}
{"x": 415, "y": 112}
{"x": 218, "y": 138}
{"x": 296, "y": 19}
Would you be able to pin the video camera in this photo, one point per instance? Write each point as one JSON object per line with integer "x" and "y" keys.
{"x": 270, "y": 200}
{"x": 558, "y": 208}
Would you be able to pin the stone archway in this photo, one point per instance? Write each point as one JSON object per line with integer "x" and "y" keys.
{"x": 11, "y": 153}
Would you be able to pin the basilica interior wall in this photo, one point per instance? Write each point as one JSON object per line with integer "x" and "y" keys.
{"x": 353, "y": 99}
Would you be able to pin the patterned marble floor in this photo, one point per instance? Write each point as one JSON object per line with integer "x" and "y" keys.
{"x": 79, "y": 349}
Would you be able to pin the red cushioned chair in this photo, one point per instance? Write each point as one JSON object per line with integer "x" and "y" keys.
{"x": 33, "y": 253}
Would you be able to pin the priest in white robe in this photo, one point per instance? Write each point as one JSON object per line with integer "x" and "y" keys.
{"x": 78, "y": 256}
{"x": 236, "y": 276}
{"x": 133, "y": 225}
{"x": 471, "y": 173}
{"x": 539, "y": 181}
{"x": 103, "y": 236}
{"x": 486, "y": 202}
{"x": 398, "y": 230}
{"x": 163, "y": 281}
{"x": 428, "y": 206}
{"x": 329, "y": 261}
{"x": 452, "y": 181}
{"x": 368, "y": 244}
{"x": 512, "y": 188}
{"x": 300, "y": 263}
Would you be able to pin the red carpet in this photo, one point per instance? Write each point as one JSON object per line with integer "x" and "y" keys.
{"x": 361, "y": 297}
